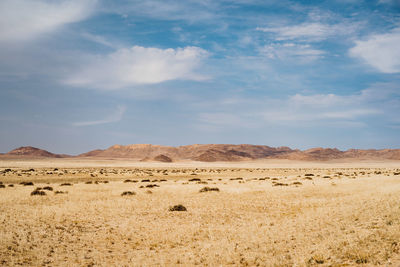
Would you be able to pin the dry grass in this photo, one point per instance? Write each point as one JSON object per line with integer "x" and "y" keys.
{"x": 351, "y": 218}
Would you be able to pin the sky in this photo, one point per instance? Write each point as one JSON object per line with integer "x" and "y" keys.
{"x": 77, "y": 75}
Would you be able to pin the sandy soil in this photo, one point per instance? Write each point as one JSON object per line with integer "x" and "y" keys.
{"x": 270, "y": 213}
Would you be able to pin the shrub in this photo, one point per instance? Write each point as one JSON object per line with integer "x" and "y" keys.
{"x": 178, "y": 208}
{"x": 49, "y": 188}
{"x": 128, "y": 193}
{"x": 38, "y": 193}
{"x": 279, "y": 184}
{"x": 207, "y": 189}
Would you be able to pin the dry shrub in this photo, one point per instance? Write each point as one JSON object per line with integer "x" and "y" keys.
{"x": 178, "y": 208}
{"x": 26, "y": 183}
{"x": 37, "y": 192}
{"x": 49, "y": 188}
{"x": 308, "y": 174}
{"x": 317, "y": 259}
{"x": 195, "y": 180}
{"x": 279, "y": 184}
{"x": 89, "y": 182}
{"x": 10, "y": 185}
{"x": 2, "y": 186}
{"x": 234, "y": 179}
{"x": 145, "y": 181}
{"x": 60, "y": 192}
{"x": 152, "y": 185}
{"x": 66, "y": 184}
{"x": 128, "y": 193}
{"x": 297, "y": 183}
{"x": 208, "y": 189}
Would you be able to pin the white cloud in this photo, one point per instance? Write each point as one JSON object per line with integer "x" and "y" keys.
{"x": 299, "y": 110}
{"x": 189, "y": 10}
{"x": 21, "y": 20}
{"x": 139, "y": 65}
{"x": 299, "y": 52}
{"x": 381, "y": 51}
{"x": 309, "y": 31}
{"x": 115, "y": 117}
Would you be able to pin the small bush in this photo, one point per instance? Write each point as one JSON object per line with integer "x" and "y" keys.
{"x": 152, "y": 185}
{"x": 145, "y": 181}
{"x": 207, "y": 189}
{"x": 49, "y": 188}
{"x": 26, "y": 183}
{"x": 195, "y": 180}
{"x": 279, "y": 184}
{"x": 60, "y": 192}
{"x": 38, "y": 193}
{"x": 2, "y": 186}
{"x": 65, "y": 184}
{"x": 128, "y": 193}
{"x": 178, "y": 208}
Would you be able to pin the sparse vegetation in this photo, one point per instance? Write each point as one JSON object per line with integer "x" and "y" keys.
{"x": 350, "y": 219}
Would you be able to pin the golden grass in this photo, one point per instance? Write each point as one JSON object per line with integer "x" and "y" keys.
{"x": 351, "y": 218}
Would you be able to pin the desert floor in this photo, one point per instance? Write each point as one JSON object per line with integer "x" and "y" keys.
{"x": 271, "y": 213}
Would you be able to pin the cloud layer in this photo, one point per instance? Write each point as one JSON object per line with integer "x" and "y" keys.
{"x": 22, "y": 20}
{"x": 139, "y": 65}
{"x": 381, "y": 51}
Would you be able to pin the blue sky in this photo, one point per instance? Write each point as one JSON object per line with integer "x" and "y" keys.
{"x": 77, "y": 75}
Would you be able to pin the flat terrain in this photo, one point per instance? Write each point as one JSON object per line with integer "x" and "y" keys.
{"x": 271, "y": 213}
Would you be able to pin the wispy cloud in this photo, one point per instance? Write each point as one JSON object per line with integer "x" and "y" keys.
{"x": 298, "y": 52}
{"x": 190, "y": 10}
{"x": 309, "y": 31}
{"x": 26, "y": 19}
{"x": 114, "y": 117}
{"x": 139, "y": 65}
{"x": 302, "y": 110}
{"x": 381, "y": 51}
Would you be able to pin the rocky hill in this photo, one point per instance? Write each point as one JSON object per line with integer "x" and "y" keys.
{"x": 214, "y": 152}
{"x": 29, "y": 151}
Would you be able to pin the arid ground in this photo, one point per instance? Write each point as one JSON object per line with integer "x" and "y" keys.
{"x": 266, "y": 213}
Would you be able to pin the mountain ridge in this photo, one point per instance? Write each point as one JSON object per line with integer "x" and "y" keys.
{"x": 212, "y": 153}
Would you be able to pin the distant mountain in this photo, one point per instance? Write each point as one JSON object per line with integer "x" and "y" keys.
{"x": 207, "y": 153}
{"x": 214, "y": 152}
{"x": 29, "y": 151}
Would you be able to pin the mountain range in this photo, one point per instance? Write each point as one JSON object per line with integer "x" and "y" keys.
{"x": 210, "y": 153}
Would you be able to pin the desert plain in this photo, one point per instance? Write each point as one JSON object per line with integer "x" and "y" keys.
{"x": 73, "y": 212}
